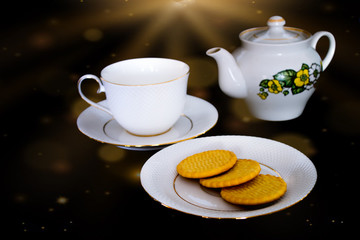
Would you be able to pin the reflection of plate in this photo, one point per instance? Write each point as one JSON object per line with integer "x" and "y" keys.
{"x": 199, "y": 116}
{"x": 161, "y": 181}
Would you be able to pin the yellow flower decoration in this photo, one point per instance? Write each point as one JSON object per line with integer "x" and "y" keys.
{"x": 302, "y": 78}
{"x": 274, "y": 86}
{"x": 289, "y": 81}
{"x": 263, "y": 95}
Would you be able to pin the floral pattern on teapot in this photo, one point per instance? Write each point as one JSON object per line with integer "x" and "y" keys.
{"x": 289, "y": 80}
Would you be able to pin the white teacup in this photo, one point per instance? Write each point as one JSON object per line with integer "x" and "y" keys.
{"x": 146, "y": 96}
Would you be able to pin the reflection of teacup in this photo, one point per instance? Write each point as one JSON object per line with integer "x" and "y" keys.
{"x": 146, "y": 96}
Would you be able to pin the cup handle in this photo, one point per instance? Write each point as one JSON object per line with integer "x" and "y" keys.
{"x": 100, "y": 90}
{"x": 331, "y": 50}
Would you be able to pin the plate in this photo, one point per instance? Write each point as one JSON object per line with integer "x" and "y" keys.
{"x": 199, "y": 116}
{"x": 161, "y": 181}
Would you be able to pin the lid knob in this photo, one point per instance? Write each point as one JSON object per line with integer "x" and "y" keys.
{"x": 276, "y": 21}
{"x": 276, "y": 27}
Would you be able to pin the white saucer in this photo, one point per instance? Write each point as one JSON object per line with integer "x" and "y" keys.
{"x": 199, "y": 117}
{"x": 161, "y": 181}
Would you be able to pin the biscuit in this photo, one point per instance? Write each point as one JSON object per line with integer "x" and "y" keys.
{"x": 206, "y": 164}
{"x": 262, "y": 189}
{"x": 243, "y": 171}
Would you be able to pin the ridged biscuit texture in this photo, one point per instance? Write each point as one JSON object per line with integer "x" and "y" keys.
{"x": 243, "y": 171}
{"x": 206, "y": 164}
{"x": 260, "y": 190}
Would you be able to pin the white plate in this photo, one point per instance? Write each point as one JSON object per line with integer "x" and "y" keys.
{"x": 161, "y": 181}
{"x": 199, "y": 117}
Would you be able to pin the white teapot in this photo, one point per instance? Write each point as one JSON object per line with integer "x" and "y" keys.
{"x": 275, "y": 69}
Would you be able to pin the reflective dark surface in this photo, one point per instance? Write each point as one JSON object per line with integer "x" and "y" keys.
{"x": 55, "y": 179}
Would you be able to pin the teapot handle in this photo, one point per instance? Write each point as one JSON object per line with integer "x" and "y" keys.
{"x": 331, "y": 50}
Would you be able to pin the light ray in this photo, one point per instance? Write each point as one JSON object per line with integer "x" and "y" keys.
{"x": 148, "y": 34}
{"x": 196, "y": 18}
{"x": 202, "y": 29}
{"x": 177, "y": 42}
{"x": 234, "y": 10}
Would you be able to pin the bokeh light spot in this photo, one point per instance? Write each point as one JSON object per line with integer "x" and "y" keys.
{"x": 93, "y": 34}
{"x": 110, "y": 153}
{"x": 41, "y": 41}
{"x": 62, "y": 200}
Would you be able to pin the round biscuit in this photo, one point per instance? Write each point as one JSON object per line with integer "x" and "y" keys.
{"x": 244, "y": 170}
{"x": 260, "y": 190}
{"x": 206, "y": 164}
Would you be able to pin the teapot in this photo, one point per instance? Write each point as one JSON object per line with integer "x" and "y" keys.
{"x": 275, "y": 69}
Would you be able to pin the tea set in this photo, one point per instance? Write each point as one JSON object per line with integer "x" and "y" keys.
{"x": 147, "y": 106}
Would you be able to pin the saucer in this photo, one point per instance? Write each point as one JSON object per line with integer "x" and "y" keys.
{"x": 161, "y": 181}
{"x": 199, "y": 116}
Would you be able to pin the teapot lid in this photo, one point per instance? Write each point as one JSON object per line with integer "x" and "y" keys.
{"x": 274, "y": 33}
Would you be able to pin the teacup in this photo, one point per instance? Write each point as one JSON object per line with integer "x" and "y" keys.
{"x": 146, "y": 96}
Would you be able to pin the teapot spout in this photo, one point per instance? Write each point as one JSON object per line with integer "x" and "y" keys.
{"x": 231, "y": 79}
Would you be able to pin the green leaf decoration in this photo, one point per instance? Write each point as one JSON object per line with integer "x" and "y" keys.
{"x": 264, "y": 83}
{"x": 286, "y": 80}
{"x": 304, "y": 66}
{"x": 287, "y": 76}
{"x": 282, "y": 83}
{"x": 296, "y": 90}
